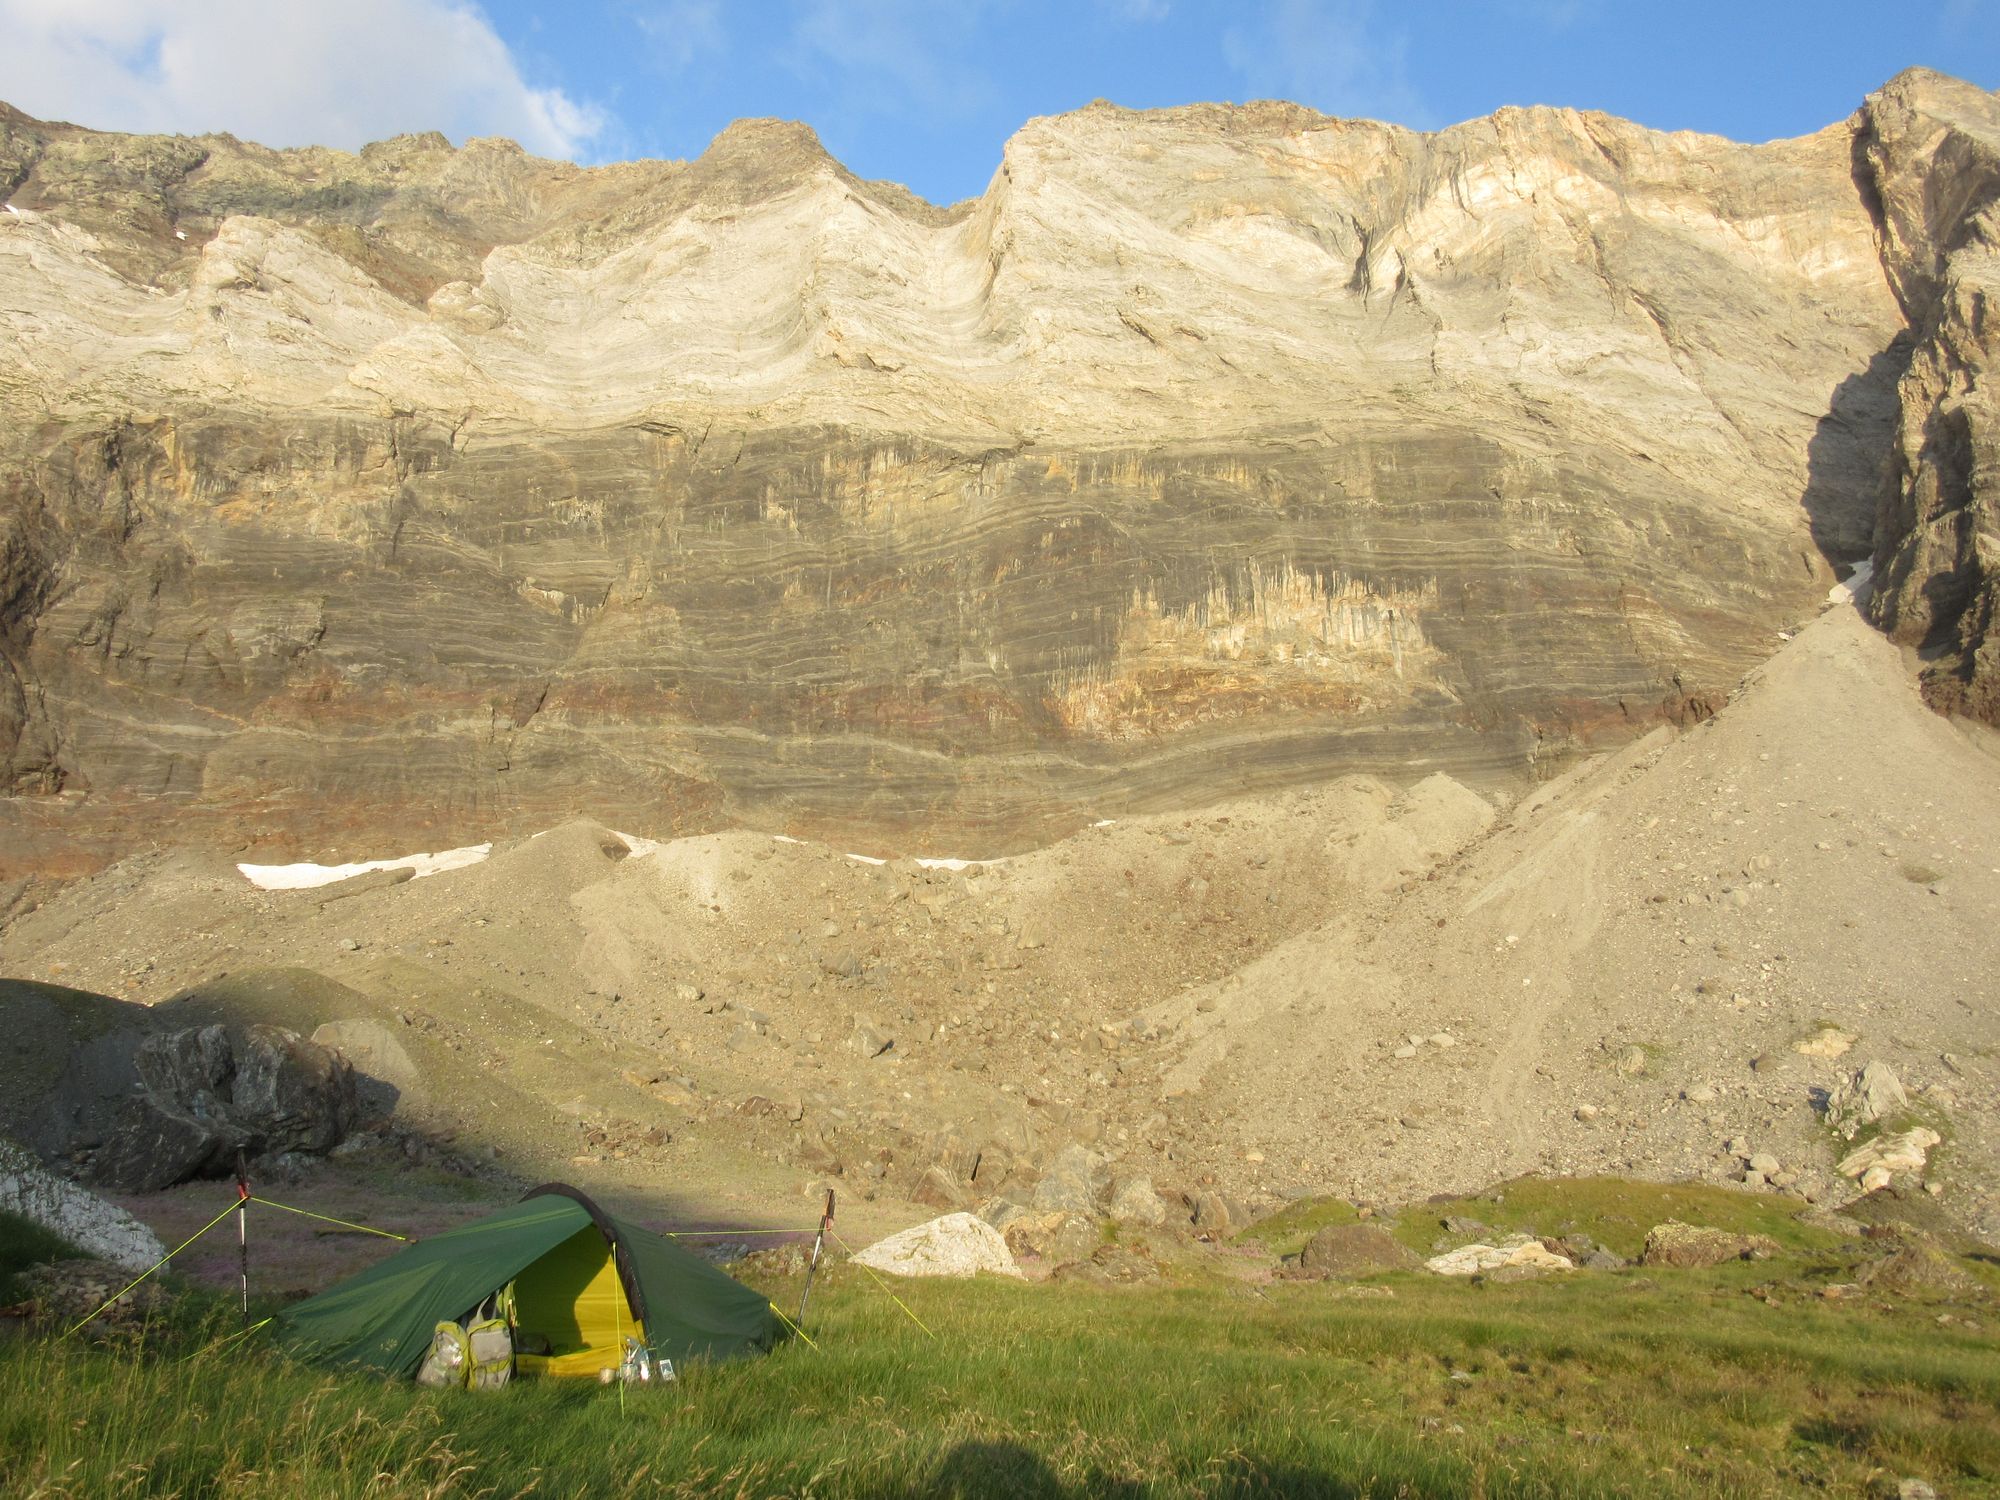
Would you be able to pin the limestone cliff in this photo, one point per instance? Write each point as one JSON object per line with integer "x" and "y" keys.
{"x": 453, "y": 491}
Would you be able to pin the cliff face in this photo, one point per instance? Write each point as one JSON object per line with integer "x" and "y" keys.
{"x": 1933, "y": 152}
{"x": 452, "y": 491}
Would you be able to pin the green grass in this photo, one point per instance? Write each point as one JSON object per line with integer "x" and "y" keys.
{"x": 1614, "y": 1211}
{"x": 24, "y": 1243}
{"x": 1639, "y": 1385}
{"x": 1286, "y": 1231}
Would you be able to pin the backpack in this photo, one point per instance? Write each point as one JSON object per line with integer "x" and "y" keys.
{"x": 477, "y": 1354}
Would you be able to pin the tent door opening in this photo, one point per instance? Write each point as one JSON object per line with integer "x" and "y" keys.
{"x": 571, "y": 1304}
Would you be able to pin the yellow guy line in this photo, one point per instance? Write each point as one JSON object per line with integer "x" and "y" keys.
{"x": 790, "y": 1324}
{"x": 157, "y": 1264}
{"x": 879, "y": 1282}
{"x": 220, "y": 1345}
{"x": 328, "y": 1219}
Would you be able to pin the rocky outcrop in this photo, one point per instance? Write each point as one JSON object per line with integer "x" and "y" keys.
{"x": 78, "y": 1215}
{"x": 210, "y": 1095}
{"x": 455, "y": 493}
{"x": 1931, "y": 151}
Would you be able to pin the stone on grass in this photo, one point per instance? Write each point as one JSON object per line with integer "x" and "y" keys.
{"x": 1690, "y": 1246}
{"x": 1518, "y": 1251}
{"x": 955, "y": 1245}
{"x": 1346, "y": 1250}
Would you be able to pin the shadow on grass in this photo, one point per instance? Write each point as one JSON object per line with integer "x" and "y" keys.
{"x": 978, "y": 1469}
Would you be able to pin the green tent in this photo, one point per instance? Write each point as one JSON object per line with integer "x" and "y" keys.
{"x": 583, "y": 1282}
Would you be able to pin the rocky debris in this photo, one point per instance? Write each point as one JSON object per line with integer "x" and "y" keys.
{"x": 868, "y": 1039}
{"x": 1916, "y": 1263}
{"x": 1827, "y": 1042}
{"x": 361, "y": 885}
{"x": 211, "y": 1093}
{"x": 1112, "y": 1264}
{"x": 67, "y": 1291}
{"x": 1073, "y": 1181}
{"x": 938, "y": 1188}
{"x": 99, "y": 1229}
{"x": 958, "y": 1244}
{"x": 1344, "y": 1251}
{"x": 1517, "y": 1252}
{"x": 1870, "y": 1094}
{"x": 1133, "y": 1201}
{"x": 1691, "y": 1246}
{"x": 1054, "y": 1238}
{"x": 1876, "y": 1162}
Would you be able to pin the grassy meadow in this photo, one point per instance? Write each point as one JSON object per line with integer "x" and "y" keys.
{"x": 1741, "y": 1381}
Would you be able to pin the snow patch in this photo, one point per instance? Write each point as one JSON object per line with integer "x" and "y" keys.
{"x": 305, "y": 876}
{"x": 1855, "y": 587}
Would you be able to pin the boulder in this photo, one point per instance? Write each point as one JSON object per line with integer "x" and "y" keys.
{"x": 1877, "y": 1161}
{"x": 1133, "y": 1201}
{"x": 1346, "y": 1250}
{"x": 937, "y": 1188}
{"x": 1872, "y": 1093}
{"x": 384, "y": 1074}
{"x": 1055, "y": 1238}
{"x": 1211, "y": 1213}
{"x": 1688, "y": 1246}
{"x": 1073, "y": 1181}
{"x": 210, "y": 1093}
{"x": 99, "y": 1229}
{"x": 957, "y": 1244}
{"x": 1519, "y": 1252}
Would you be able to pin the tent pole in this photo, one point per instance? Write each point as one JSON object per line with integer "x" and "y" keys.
{"x": 825, "y": 1223}
{"x": 243, "y": 1233}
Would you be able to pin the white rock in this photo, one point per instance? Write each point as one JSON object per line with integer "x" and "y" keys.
{"x": 77, "y": 1214}
{"x": 1904, "y": 1151}
{"x": 1519, "y": 1250}
{"x": 954, "y": 1245}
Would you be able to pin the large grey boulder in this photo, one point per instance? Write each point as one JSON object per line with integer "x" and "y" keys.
{"x": 208, "y": 1094}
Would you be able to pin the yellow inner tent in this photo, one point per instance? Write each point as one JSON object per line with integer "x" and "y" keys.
{"x": 572, "y": 1297}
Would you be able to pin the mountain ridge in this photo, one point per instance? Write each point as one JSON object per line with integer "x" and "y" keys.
{"x": 1215, "y": 447}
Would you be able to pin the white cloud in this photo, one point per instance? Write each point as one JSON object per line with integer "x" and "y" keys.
{"x": 281, "y": 72}
{"x": 1328, "y": 54}
{"x": 681, "y": 33}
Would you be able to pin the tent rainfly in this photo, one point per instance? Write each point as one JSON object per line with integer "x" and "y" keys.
{"x": 583, "y": 1282}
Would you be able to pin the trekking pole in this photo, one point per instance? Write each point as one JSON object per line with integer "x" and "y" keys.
{"x": 243, "y": 1233}
{"x": 825, "y": 1224}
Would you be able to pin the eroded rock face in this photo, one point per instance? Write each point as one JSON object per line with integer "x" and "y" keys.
{"x": 1932, "y": 147}
{"x": 452, "y": 492}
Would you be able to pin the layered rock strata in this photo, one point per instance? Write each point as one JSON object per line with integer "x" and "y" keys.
{"x": 451, "y": 491}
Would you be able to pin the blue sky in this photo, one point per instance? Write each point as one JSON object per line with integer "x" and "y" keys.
{"x": 927, "y": 93}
